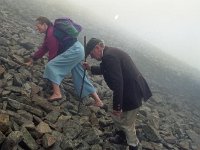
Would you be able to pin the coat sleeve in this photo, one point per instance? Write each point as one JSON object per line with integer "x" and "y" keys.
{"x": 40, "y": 52}
{"x": 50, "y": 45}
{"x": 114, "y": 79}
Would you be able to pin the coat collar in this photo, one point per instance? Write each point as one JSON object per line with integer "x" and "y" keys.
{"x": 105, "y": 49}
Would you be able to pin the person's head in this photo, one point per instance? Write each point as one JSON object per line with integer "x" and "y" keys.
{"x": 95, "y": 48}
{"x": 42, "y": 24}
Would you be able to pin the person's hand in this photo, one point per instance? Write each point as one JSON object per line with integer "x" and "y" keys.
{"x": 86, "y": 66}
{"x": 117, "y": 113}
{"x": 29, "y": 62}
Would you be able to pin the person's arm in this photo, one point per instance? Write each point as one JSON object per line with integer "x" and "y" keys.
{"x": 114, "y": 79}
{"x": 95, "y": 70}
{"x": 50, "y": 45}
{"x": 40, "y": 52}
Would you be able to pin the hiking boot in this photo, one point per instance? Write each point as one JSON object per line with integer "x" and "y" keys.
{"x": 120, "y": 133}
{"x": 133, "y": 147}
{"x": 117, "y": 140}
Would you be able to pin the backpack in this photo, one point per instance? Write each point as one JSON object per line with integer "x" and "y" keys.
{"x": 66, "y": 32}
{"x": 65, "y": 27}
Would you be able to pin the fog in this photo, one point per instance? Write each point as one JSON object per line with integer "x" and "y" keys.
{"x": 171, "y": 25}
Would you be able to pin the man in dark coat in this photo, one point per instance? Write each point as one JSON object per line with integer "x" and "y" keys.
{"x": 127, "y": 83}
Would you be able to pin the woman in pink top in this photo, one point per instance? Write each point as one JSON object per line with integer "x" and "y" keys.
{"x": 62, "y": 63}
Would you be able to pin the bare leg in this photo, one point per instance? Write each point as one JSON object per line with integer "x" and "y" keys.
{"x": 56, "y": 92}
{"x": 97, "y": 100}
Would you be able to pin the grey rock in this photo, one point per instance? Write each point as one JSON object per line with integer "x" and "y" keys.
{"x": 25, "y": 114}
{"x": 194, "y": 137}
{"x": 59, "y": 136}
{"x": 151, "y": 133}
{"x": 2, "y": 137}
{"x": 4, "y": 52}
{"x": 2, "y": 70}
{"x": 17, "y": 105}
{"x": 80, "y": 144}
{"x": 10, "y": 63}
{"x": 8, "y": 76}
{"x": 12, "y": 140}
{"x": 90, "y": 135}
{"x": 28, "y": 125}
{"x": 93, "y": 119}
{"x": 4, "y": 122}
{"x": 15, "y": 126}
{"x": 67, "y": 144}
{"x": 44, "y": 104}
{"x": 52, "y": 116}
{"x": 27, "y": 45}
{"x": 16, "y": 117}
{"x": 170, "y": 139}
{"x": 48, "y": 140}
{"x": 96, "y": 147}
{"x": 184, "y": 144}
{"x": 62, "y": 120}
{"x": 14, "y": 89}
{"x": 104, "y": 122}
{"x": 28, "y": 139}
{"x": 81, "y": 120}
{"x": 4, "y": 41}
{"x": 43, "y": 127}
{"x": 72, "y": 129}
{"x": 18, "y": 80}
{"x": 5, "y": 105}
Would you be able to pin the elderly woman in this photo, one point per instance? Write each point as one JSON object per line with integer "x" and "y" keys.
{"x": 62, "y": 62}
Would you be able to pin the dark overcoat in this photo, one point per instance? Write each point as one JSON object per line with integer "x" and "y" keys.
{"x": 123, "y": 78}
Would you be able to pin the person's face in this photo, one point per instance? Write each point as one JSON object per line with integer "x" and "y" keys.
{"x": 41, "y": 28}
{"x": 96, "y": 53}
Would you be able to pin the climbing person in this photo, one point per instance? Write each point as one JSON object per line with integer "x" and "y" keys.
{"x": 127, "y": 83}
{"x": 64, "y": 58}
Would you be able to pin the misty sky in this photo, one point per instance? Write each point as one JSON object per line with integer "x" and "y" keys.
{"x": 172, "y": 25}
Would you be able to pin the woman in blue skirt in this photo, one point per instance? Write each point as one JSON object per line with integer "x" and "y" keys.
{"x": 62, "y": 63}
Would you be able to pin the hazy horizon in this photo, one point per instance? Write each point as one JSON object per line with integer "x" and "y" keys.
{"x": 171, "y": 25}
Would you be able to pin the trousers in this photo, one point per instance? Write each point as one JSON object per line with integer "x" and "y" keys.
{"x": 127, "y": 123}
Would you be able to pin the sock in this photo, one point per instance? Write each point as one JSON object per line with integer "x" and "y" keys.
{"x": 134, "y": 145}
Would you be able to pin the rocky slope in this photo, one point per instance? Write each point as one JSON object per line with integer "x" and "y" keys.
{"x": 29, "y": 121}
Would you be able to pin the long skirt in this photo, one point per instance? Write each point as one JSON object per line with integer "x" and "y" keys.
{"x": 66, "y": 63}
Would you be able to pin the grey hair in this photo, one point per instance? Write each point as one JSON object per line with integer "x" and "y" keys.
{"x": 102, "y": 43}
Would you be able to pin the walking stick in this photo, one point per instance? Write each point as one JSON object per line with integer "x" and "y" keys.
{"x": 31, "y": 80}
{"x": 82, "y": 79}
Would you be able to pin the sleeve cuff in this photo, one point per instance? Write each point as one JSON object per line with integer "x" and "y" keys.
{"x": 33, "y": 58}
{"x": 117, "y": 107}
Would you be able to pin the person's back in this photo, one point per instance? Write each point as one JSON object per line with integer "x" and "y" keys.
{"x": 128, "y": 86}
{"x": 132, "y": 94}
{"x": 128, "y": 67}
{"x": 130, "y": 71}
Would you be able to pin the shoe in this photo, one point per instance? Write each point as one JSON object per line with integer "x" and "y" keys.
{"x": 120, "y": 133}
{"x": 118, "y": 140}
{"x": 54, "y": 99}
{"x": 133, "y": 147}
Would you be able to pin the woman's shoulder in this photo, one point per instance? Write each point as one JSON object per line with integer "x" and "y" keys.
{"x": 50, "y": 33}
